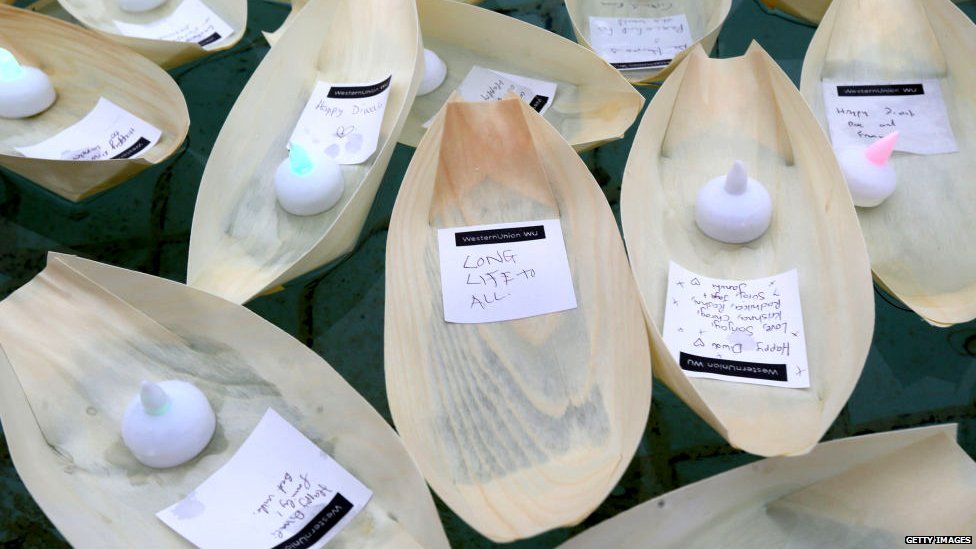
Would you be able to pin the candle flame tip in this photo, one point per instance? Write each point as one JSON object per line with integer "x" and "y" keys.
{"x": 737, "y": 178}
{"x": 879, "y": 152}
{"x": 300, "y": 161}
{"x": 154, "y": 399}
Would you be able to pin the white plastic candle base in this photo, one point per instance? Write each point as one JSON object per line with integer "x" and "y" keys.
{"x": 311, "y": 193}
{"x": 435, "y": 72}
{"x": 29, "y": 94}
{"x": 168, "y": 423}
{"x": 139, "y": 6}
{"x": 869, "y": 183}
{"x": 734, "y": 208}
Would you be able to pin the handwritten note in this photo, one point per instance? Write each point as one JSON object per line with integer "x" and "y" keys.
{"x": 481, "y": 84}
{"x": 861, "y": 113}
{"x": 639, "y": 43}
{"x": 504, "y": 271}
{"x": 278, "y": 490}
{"x": 107, "y": 132}
{"x": 747, "y": 331}
{"x": 343, "y": 120}
{"x": 192, "y": 21}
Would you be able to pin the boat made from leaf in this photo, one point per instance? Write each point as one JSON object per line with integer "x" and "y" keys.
{"x": 693, "y": 130}
{"x": 523, "y": 425}
{"x": 83, "y": 67}
{"x": 242, "y": 242}
{"x": 920, "y": 239}
{"x": 77, "y": 342}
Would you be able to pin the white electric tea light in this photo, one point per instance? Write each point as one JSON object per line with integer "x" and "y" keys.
{"x": 870, "y": 177}
{"x": 24, "y": 91}
{"x": 307, "y": 187}
{"x": 734, "y": 208}
{"x": 139, "y": 6}
{"x": 168, "y": 423}
{"x": 435, "y": 72}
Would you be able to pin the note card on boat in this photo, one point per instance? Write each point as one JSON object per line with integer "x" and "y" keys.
{"x": 343, "y": 120}
{"x": 634, "y": 43}
{"x": 747, "y": 331}
{"x": 481, "y": 84}
{"x": 191, "y": 21}
{"x": 278, "y": 490}
{"x": 504, "y": 271}
{"x": 861, "y": 113}
{"x": 107, "y": 132}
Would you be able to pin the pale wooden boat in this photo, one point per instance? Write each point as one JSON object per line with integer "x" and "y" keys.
{"x": 808, "y": 10}
{"x": 80, "y": 337}
{"x": 83, "y": 67}
{"x": 526, "y": 425}
{"x": 100, "y": 15}
{"x": 867, "y": 491}
{"x": 593, "y": 103}
{"x": 297, "y": 5}
{"x": 705, "y": 19}
{"x": 692, "y": 131}
{"x": 242, "y": 243}
{"x": 921, "y": 239}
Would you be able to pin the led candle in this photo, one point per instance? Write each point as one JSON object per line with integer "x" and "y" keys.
{"x": 435, "y": 72}
{"x": 168, "y": 423}
{"x": 734, "y": 208}
{"x": 138, "y": 6}
{"x": 307, "y": 187}
{"x": 24, "y": 91}
{"x": 870, "y": 177}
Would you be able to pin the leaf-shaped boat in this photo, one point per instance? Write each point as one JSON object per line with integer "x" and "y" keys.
{"x": 920, "y": 239}
{"x": 692, "y": 131}
{"x": 242, "y": 242}
{"x": 704, "y": 19}
{"x": 853, "y": 492}
{"x": 83, "y": 68}
{"x": 524, "y": 425}
{"x": 176, "y": 32}
{"x": 77, "y": 341}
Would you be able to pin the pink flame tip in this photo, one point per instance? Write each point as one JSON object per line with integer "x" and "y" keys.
{"x": 880, "y": 151}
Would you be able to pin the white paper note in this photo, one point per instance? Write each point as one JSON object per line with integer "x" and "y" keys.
{"x": 860, "y": 113}
{"x": 481, "y": 84}
{"x": 107, "y": 132}
{"x": 504, "y": 271}
{"x": 191, "y": 21}
{"x": 279, "y": 489}
{"x": 747, "y": 331}
{"x": 640, "y": 43}
{"x": 343, "y": 120}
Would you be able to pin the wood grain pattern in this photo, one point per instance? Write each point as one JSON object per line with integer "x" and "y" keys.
{"x": 100, "y": 15}
{"x": 853, "y": 492}
{"x": 921, "y": 239}
{"x": 80, "y": 337}
{"x": 593, "y": 103}
{"x": 705, "y": 19}
{"x": 297, "y": 5}
{"x": 242, "y": 242}
{"x": 526, "y": 425}
{"x": 83, "y": 67}
{"x": 694, "y": 129}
